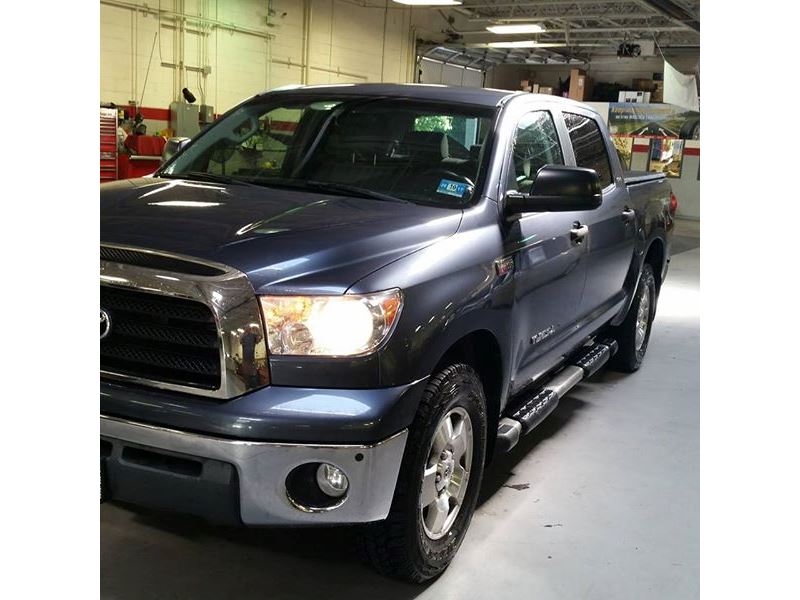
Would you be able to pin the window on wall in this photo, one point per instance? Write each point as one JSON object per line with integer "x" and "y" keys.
{"x": 590, "y": 149}
{"x": 535, "y": 145}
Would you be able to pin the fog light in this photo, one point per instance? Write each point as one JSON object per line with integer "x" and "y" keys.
{"x": 332, "y": 480}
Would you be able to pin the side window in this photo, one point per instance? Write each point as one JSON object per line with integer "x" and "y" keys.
{"x": 535, "y": 145}
{"x": 590, "y": 149}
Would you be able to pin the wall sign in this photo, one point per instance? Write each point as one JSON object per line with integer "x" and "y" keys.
{"x": 653, "y": 120}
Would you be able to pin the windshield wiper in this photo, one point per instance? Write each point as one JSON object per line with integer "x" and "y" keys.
{"x": 203, "y": 176}
{"x": 352, "y": 189}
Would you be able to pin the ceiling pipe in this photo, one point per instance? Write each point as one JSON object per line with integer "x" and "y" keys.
{"x": 214, "y": 23}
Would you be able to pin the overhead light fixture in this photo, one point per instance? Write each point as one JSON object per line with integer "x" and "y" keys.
{"x": 429, "y": 2}
{"x": 521, "y": 28}
{"x": 517, "y": 44}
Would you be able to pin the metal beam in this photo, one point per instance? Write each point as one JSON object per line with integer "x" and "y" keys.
{"x": 543, "y": 4}
{"x": 586, "y": 30}
{"x": 673, "y": 12}
{"x": 581, "y": 17}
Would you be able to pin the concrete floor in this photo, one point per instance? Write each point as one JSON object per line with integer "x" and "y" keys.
{"x": 601, "y": 501}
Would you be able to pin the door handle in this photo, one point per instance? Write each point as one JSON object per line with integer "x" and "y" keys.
{"x": 628, "y": 215}
{"x": 578, "y": 232}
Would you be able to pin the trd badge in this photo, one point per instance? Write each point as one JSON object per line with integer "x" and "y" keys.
{"x": 543, "y": 334}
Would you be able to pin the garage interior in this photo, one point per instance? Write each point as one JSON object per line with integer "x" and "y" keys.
{"x": 601, "y": 501}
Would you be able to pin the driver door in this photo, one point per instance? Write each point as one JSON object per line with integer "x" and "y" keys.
{"x": 550, "y": 270}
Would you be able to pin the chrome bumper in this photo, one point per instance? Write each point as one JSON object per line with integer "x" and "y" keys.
{"x": 263, "y": 466}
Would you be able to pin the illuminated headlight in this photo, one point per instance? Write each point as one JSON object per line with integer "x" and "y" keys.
{"x": 348, "y": 325}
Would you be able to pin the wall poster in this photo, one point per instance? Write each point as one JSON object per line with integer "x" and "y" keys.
{"x": 653, "y": 120}
{"x": 666, "y": 156}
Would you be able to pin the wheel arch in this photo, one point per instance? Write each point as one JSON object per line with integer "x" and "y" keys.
{"x": 481, "y": 350}
{"x": 655, "y": 256}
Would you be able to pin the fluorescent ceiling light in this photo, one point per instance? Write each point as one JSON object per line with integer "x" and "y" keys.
{"x": 521, "y": 28}
{"x": 518, "y": 44}
{"x": 429, "y": 2}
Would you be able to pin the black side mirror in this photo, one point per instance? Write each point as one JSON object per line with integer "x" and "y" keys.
{"x": 558, "y": 188}
{"x": 172, "y": 147}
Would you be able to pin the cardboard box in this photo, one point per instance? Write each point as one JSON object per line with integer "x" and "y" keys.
{"x": 535, "y": 88}
{"x": 657, "y": 95}
{"x": 546, "y": 90}
{"x": 580, "y": 85}
{"x": 634, "y": 96}
{"x": 643, "y": 85}
{"x": 524, "y": 83}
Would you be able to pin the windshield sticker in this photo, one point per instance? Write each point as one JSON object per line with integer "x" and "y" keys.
{"x": 451, "y": 188}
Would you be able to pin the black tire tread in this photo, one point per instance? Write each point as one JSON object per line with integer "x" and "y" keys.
{"x": 627, "y": 360}
{"x": 384, "y": 544}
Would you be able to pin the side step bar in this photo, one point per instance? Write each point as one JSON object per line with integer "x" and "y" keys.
{"x": 524, "y": 416}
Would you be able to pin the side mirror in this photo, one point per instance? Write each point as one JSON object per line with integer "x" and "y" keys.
{"x": 172, "y": 147}
{"x": 558, "y": 188}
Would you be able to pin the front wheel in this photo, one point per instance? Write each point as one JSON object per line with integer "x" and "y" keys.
{"x": 439, "y": 481}
{"x": 633, "y": 334}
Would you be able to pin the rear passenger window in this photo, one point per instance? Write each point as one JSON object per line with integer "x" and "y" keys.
{"x": 535, "y": 145}
{"x": 590, "y": 149}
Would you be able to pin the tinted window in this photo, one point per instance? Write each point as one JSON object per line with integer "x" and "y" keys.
{"x": 535, "y": 145}
{"x": 589, "y": 147}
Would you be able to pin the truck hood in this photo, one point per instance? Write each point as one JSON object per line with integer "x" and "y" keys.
{"x": 283, "y": 240}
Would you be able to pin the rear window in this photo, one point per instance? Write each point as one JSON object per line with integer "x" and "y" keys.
{"x": 590, "y": 149}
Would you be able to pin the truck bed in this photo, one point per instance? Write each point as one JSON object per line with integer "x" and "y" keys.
{"x": 637, "y": 177}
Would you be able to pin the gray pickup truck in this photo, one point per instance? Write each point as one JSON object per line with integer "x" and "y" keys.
{"x": 337, "y": 303}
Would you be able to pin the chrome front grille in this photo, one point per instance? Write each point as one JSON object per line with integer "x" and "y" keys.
{"x": 160, "y": 338}
{"x": 177, "y": 330}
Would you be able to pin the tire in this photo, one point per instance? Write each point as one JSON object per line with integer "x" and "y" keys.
{"x": 403, "y": 546}
{"x": 632, "y": 349}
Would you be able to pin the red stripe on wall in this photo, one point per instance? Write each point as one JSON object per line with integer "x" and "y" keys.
{"x": 148, "y": 112}
{"x": 641, "y": 147}
{"x": 691, "y": 151}
{"x": 157, "y": 114}
{"x": 283, "y": 125}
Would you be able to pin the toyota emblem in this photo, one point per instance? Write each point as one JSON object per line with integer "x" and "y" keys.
{"x": 105, "y": 324}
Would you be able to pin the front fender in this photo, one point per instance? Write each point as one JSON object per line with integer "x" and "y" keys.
{"x": 450, "y": 289}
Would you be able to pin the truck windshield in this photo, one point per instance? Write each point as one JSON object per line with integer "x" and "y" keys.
{"x": 383, "y": 148}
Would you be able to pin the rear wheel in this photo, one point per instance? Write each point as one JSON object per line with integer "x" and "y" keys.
{"x": 633, "y": 334}
{"x": 439, "y": 480}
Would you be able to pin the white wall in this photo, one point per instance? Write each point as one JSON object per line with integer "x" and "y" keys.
{"x": 346, "y": 43}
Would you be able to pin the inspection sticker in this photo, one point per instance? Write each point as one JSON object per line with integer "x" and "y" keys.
{"x": 451, "y": 188}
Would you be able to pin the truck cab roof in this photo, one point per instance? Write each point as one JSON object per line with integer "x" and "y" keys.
{"x": 487, "y": 97}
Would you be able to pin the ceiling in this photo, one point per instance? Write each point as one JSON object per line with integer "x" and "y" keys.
{"x": 575, "y": 30}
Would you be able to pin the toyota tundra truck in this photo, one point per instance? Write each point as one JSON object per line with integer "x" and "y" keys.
{"x": 337, "y": 303}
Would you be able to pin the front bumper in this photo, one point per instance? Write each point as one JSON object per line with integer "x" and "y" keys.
{"x": 249, "y": 474}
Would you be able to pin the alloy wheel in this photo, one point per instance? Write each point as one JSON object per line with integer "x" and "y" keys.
{"x": 446, "y": 474}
